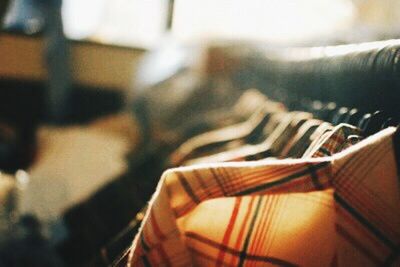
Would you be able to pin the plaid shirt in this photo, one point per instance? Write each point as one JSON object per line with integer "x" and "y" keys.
{"x": 340, "y": 211}
{"x": 334, "y": 141}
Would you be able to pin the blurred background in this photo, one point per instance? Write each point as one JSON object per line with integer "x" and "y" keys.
{"x": 118, "y": 32}
{"x": 71, "y": 72}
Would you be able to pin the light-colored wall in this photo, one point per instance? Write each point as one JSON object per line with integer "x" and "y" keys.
{"x": 94, "y": 65}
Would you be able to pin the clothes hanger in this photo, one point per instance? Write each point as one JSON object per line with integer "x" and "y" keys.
{"x": 296, "y": 123}
{"x": 372, "y": 123}
{"x": 362, "y": 124}
{"x": 249, "y": 131}
{"x": 300, "y": 142}
{"x": 316, "y": 108}
{"x": 378, "y": 118}
{"x": 240, "y": 111}
{"x": 389, "y": 122}
{"x": 260, "y": 121}
{"x": 284, "y": 130}
{"x": 353, "y": 117}
{"x": 340, "y": 116}
{"x": 328, "y": 111}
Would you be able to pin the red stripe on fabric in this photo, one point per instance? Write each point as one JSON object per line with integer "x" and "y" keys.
{"x": 226, "y": 180}
{"x": 229, "y": 229}
{"x": 265, "y": 220}
{"x": 242, "y": 229}
{"x": 233, "y": 252}
{"x": 272, "y": 227}
{"x": 258, "y": 176}
{"x": 241, "y": 183}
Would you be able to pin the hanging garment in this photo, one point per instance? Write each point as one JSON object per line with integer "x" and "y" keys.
{"x": 279, "y": 130}
{"x": 216, "y": 141}
{"x": 302, "y": 140}
{"x": 196, "y": 124}
{"x": 278, "y": 136}
{"x": 282, "y": 212}
{"x": 334, "y": 141}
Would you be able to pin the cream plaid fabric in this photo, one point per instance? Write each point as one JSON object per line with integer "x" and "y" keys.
{"x": 341, "y": 210}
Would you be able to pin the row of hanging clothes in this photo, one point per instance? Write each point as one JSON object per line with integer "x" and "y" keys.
{"x": 308, "y": 188}
{"x": 230, "y": 176}
{"x": 255, "y": 177}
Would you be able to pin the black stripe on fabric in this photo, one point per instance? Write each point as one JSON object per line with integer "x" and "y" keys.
{"x": 146, "y": 261}
{"x": 188, "y": 189}
{"x": 280, "y": 181}
{"x": 228, "y": 185}
{"x": 243, "y": 252}
{"x": 314, "y": 177}
{"x": 234, "y": 252}
{"x": 144, "y": 245}
{"x": 201, "y": 181}
{"x": 221, "y": 186}
{"x": 366, "y": 223}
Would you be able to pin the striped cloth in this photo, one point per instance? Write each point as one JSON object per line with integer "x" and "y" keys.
{"x": 217, "y": 140}
{"x": 309, "y": 131}
{"x": 339, "y": 211}
{"x": 333, "y": 141}
{"x": 284, "y": 127}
